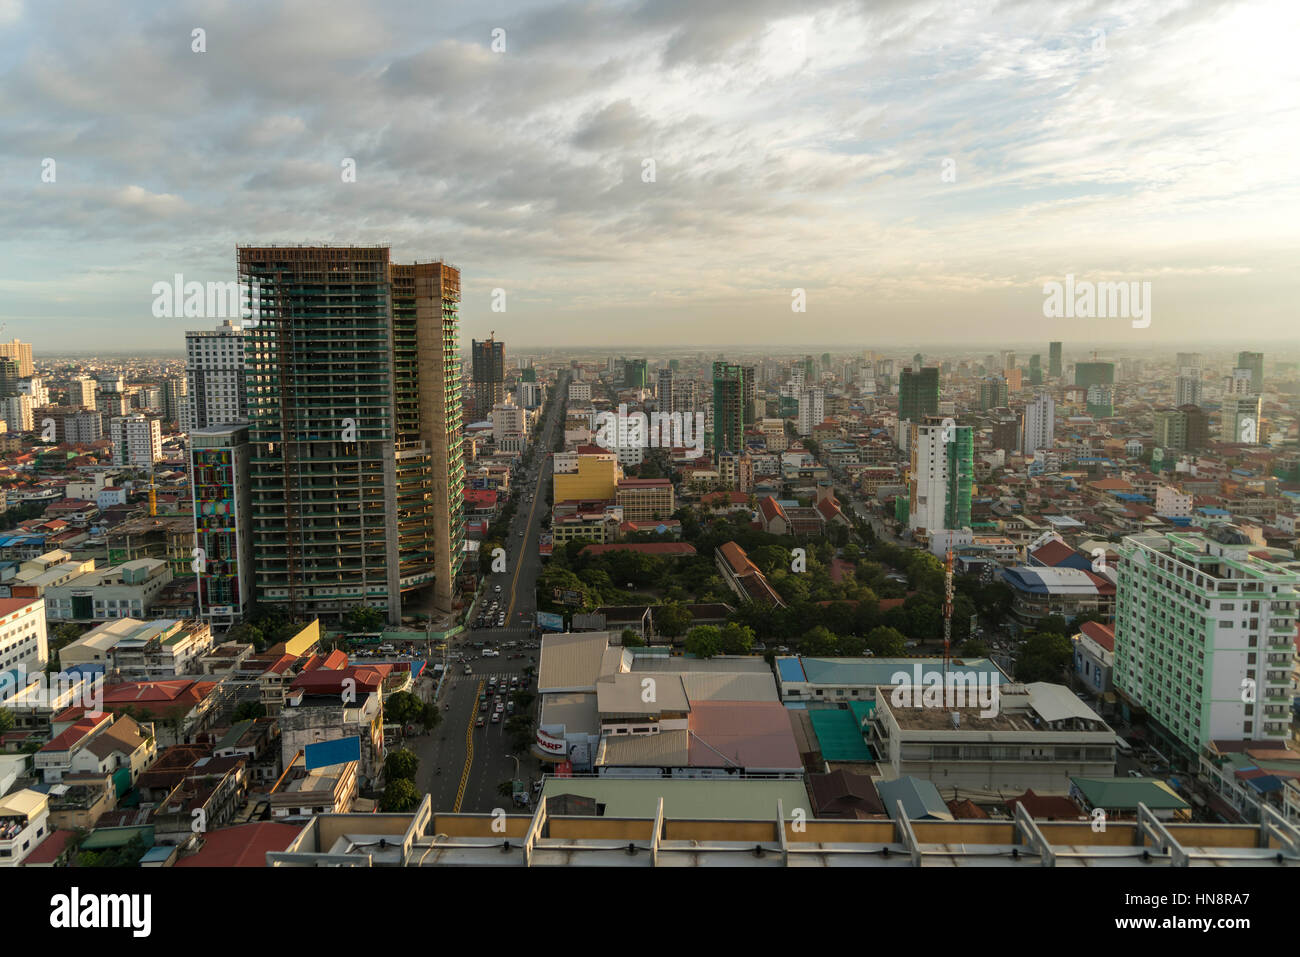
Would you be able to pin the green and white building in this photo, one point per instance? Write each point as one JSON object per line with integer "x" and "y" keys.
{"x": 1205, "y": 636}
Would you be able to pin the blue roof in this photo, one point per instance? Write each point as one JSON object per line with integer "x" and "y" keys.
{"x": 881, "y": 671}
{"x": 790, "y": 669}
{"x": 1131, "y": 497}
{"x": 920, "y": 799}
{"x": 1208, "y": 510}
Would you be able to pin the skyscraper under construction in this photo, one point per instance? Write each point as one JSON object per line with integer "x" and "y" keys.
{"x": 356, "y": 474}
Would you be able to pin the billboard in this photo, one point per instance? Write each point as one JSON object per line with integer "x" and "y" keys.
{"x": 327, "y": 753}
{"x": 550, "y": 622}
{"x": 550, "y": 744}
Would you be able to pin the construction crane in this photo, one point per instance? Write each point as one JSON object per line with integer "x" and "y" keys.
{"x": 153, "y": 495}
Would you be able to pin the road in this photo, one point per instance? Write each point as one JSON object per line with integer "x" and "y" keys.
{"x": 461, "y": 765}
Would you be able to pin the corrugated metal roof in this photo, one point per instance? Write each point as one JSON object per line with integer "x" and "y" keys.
{"x": 571, "y": 662}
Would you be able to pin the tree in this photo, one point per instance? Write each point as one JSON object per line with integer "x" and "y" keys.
{"x": 631, "y": 639}
{"x": 737, "y": 639}
{"x": 402, "y": 707}
{"x": 401, "y": 763}
{"x": 400, "y": 795}
{"x": 506, "y": 789}
{"x": 704, "y": 641}
{"x": 363, "y": 618}
{"x": 1044, "y": 657}
{"x": 430, "y": 717}
{"x": 974, "y": 648}
{"x": 672, "y": 619}
{"x": 249, "y": 711}
{"x": 818, "y": 641}
{"x": 886, "y": 642}
{"x": 6, "y": 720}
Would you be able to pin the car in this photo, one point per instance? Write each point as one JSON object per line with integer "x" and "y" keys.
{"x": 479, "y": 722}
{"x": 469, "y": 670}
{"x": 496, "y": 717}
{"x": 1135, "y": 774}
{"x": 497, "y": 589}
{"x": 510, "y": 708}
{"x": 514, "y": 681}
{"x": 482, "y": 706}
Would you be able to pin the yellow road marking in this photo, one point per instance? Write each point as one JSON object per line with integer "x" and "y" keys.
{"x": 469, "y": 748}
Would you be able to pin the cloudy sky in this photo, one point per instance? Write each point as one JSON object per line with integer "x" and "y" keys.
{"x": 665, "y": 171}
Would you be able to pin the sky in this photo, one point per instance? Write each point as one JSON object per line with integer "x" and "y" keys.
{"x": 664, "y": 172}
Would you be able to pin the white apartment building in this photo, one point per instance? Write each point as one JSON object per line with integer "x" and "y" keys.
{"x": 812, "y": 409}
{"x": 17, "y": 411}
{"x": 24, "y": 823}
{"x": 137, "y": 440}
{"x": 1171, "y": 503}
{"x": 81, "y": 392}
{"x": 23, "y": 641}
{"x": 214, "y": 373}
{"x": 36, "y": 389}
{"x": 1187, "y": 387}
{"x": 1040, "y": 424}
{"x": 579, "y": 391}
{"x": 1239, "y": 419}
{"x": 1205, "y": 636}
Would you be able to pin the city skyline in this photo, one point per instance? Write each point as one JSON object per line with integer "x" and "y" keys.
{"x": 810, "y": 152}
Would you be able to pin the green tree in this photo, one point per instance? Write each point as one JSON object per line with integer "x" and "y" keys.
{"x": 402, "y": 707}
{"x": 400, "y": 795}
{"x": 401, "y": 763}
{"x": 6, "y": 720}
{"x": 672, "y": 619}
{"x": 249, "y": 711}
{"x": 1044, "y": 657}
{"x": 430, "y": 717}
{"x": 363, "y": 618}
{"x": 704, "y": 641}
{"x": 886, "y": 642}
{"x": 737, "y": 639}
{"x": 631, "y": 639}
{"x": 818, "y": 641}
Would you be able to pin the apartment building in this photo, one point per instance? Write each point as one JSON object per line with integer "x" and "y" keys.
{"x": 137, "y": 441}
{"x": 1205, "y": 636}
{"x": 23, "y": 642}
{"x": 216, "y": 390}
{"x": 219, "y": 464}
{"x": 128, "y": 590}
{"x": 645, "y": 499}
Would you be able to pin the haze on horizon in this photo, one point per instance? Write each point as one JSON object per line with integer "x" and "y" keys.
{"x": 1114, "y": 141}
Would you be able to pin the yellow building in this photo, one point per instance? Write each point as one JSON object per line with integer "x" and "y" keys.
{"x": 595, "y": 479}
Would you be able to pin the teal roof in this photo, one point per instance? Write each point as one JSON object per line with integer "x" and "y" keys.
{"x": 920, "y": 799}
{"x": 839, "y": 735}
{"x": 881, "y": 671}
{"x": 1127, "y": 793}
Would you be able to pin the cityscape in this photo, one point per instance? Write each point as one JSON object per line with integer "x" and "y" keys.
{"x": 523, "y": 522}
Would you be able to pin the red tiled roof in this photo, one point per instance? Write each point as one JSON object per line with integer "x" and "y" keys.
{"x": 48, "y": 851}
{"x": 1045, "y": 806}
{"x": 1103, "y": 635}
{"x": 244, "y": 845}
{"x": 1053, "y": 553}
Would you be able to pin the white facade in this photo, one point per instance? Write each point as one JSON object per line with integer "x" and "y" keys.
{"x": 929, "y": 477}
{"x": 1040, "y": 424}
{"x": 812, "y": 409}
{"x": 35, "y": 388}
{"x": 137, "y": 440}
{"x": 1239, "y": 419}
{"x": 1171, "y": 503}
{"x": 1187, "y": 387}
{"x": 23, "y": 639}
{"x": 214, "y": 373}
{"x": 579, "y": 391}
{"x": 17, "y": 412}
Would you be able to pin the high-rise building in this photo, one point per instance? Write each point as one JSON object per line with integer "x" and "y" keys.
{"x": 1241, "y": 382}
{"x": 1040, "y": 424}
{"x": 81, "y": 392}
{"x": 1035, "y": 369}
{"x": 812, "y": 410}
{"x": 9, "y": 377}
{"x": 636, "y": 374}
{"x": 357, "y": 471}
{"x": 942, "y": 476}
{"x": 1184, "y": 429}
{"x": 1054, "y": 360}
{"x": 1187, "y": 386}
{"x": 21, "y": 352}
{"x": 728, "y": 407}
{"x": 749, "y": 394}
{"x": 1204, "y": 636}
{"x": 110, "y": 396}
{"x": 488, "y": 372}
{"x": 75, "y": 425}
{"x": 1254, "y": 361}
{"x": 175, "y": 392}
{"x": 1100, "y": 401}
{"x": 685, "y": 396}
{"x": 1094, "y": 373}
{"x": 1188, "y": 360}
{"x": 664, "y": 390}
{"x": 993, "y": 393}
{"x": 216, "y": 391}
{"x": 918, "y": 394}
{"x": 17, "y": 411}
{"x": 1240, "y": 420}
{"x": 219, "y": 466}
{"x": 137, "y": 440}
